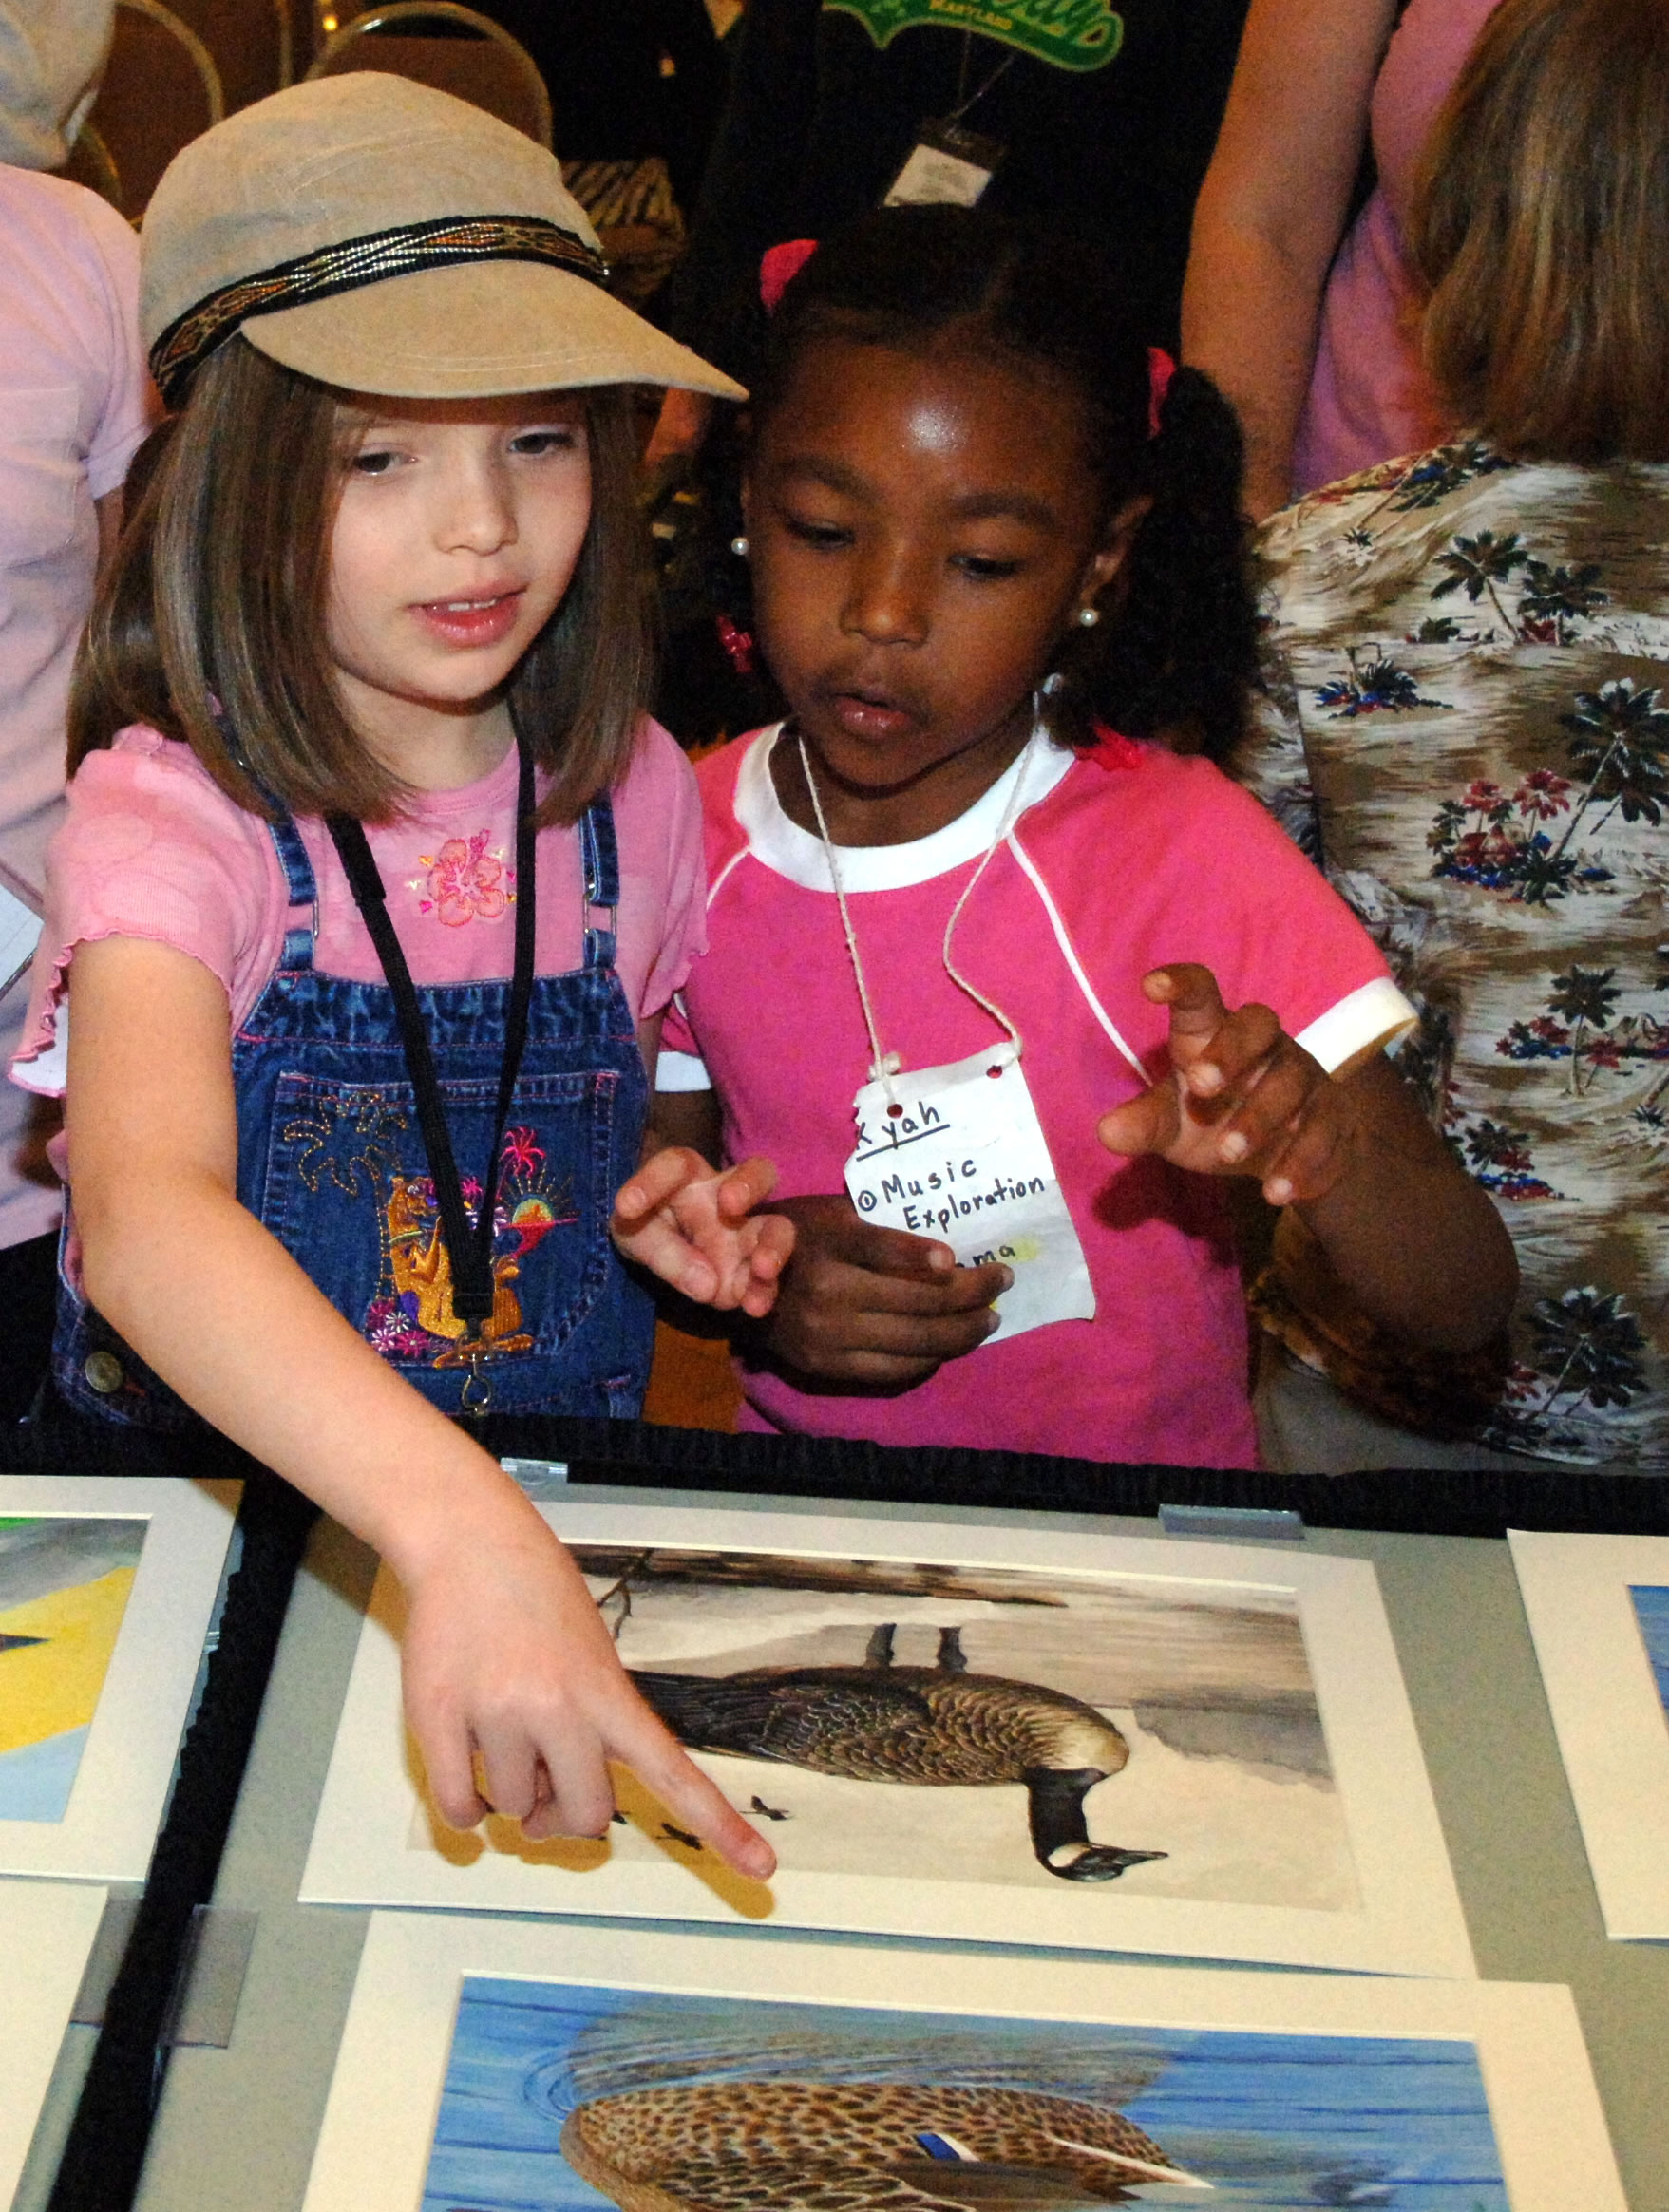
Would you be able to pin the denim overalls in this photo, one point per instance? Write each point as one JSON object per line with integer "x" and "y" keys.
{"x": 331, "y": 1160}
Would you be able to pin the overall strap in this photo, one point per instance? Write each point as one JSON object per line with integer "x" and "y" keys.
{"x": 301, "y": 889}
{"x": 600, "y": 858}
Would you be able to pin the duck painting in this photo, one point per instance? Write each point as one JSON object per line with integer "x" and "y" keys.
{"x": 926, "y": 1726}
{"x": 860, "y": 2147}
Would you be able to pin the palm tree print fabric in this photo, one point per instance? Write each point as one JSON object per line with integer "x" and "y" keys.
{"x": 1466, "y": 717}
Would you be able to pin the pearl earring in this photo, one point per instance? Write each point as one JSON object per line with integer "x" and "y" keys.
{"x": 739, "y": 547}
{"x": 1088, "y": 616}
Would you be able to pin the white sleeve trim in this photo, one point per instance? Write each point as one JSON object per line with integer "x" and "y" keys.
{"x": 681, "y": 1072}
{"x": 1366, "y": 1021}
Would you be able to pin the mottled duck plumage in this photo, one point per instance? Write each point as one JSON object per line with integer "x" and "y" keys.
{"x": 859, "y": 2147}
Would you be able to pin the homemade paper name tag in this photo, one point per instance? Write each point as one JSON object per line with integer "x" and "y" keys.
{"x": 965, "y": 1162}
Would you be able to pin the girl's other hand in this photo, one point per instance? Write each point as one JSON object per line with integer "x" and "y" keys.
{"x": 693, "y": 1225}
{"x": 507, "y": 1660}
{"x": 862, "y": 1304}
{"x": 1241, "y": 1098}
{"x": 1413, "y": 1239}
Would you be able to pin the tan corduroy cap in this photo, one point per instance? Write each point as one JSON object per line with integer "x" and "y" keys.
{"x": 386, "y": 238}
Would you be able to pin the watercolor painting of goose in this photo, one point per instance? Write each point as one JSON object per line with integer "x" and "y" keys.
{"x": 926, "y": 1726}
{"x": 860, "y": 2147}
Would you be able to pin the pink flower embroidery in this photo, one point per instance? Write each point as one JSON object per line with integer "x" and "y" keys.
{"x": 464, "y": 883}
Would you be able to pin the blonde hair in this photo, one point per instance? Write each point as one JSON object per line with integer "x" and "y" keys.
{"x": 211, "y": 624}
{"x": 1539, "y": 232}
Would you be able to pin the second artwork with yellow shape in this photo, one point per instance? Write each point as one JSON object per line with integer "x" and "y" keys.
{"x": 63, "y": 1589}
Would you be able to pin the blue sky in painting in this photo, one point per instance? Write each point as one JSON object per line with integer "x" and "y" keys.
{"x": 1651, "y": 1609}
{"x": 35, "y": 1782}
{"x": 1279, "y": 2123}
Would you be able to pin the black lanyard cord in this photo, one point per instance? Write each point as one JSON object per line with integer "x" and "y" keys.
{"x": 471, "y": 1247}
{"x": 965, "y": 99}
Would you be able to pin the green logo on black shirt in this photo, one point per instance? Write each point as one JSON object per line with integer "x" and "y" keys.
{"x": 1072, "y": 34}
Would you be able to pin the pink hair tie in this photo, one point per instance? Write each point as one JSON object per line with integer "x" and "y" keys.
{"x": 779, "y": 266}
{"x": 1161, "y": 369}
{"x": 738, "y": 645}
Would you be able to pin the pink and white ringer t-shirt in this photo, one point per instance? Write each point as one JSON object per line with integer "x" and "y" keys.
{"x": 1119, "y": 859}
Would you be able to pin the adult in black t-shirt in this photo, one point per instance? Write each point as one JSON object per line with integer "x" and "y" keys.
{"x": 821, "y": 116}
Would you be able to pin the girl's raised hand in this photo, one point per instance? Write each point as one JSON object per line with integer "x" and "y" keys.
{"x": 509, "y": 1669}
{"x": 693, "y": 1225}
{"x": 1241, "y": 1098}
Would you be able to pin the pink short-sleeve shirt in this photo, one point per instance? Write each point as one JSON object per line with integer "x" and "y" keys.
{"x": 154, "y": 848}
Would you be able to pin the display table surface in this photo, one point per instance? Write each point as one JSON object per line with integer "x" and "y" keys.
{"x": 237, "y": 2127}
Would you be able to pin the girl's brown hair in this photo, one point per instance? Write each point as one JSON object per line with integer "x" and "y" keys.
{"x": 211, "y": 623}
{"x": 1540, "y": 232}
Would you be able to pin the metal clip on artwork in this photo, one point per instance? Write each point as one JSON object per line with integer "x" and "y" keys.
{"x": 1234, "y": 1523}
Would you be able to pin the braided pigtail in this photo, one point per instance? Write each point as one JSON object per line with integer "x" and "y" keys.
{"x": 1178, "y": 655}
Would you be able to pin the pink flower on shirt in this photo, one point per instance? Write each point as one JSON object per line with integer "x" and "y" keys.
{"x": 464, "y": 883}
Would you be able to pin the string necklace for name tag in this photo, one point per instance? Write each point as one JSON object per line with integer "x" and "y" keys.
{"x": 469, "y": 1244}
{"x": 887, "y": 1065}
{"x": 958, "y": 1151}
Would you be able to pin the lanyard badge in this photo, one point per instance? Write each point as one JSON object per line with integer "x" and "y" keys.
{"x": 950, "y": 164}
{"x": 958, "y": 1152}
{"x": 946, "y": 166}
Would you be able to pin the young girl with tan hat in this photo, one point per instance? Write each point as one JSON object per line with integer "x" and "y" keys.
{"x": 375, "y": 884}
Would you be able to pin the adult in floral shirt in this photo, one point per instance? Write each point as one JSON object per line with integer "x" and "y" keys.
{"x": 1467, "y": 717}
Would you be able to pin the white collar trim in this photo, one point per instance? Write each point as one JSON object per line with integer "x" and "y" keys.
{"x": 787, "y": 850}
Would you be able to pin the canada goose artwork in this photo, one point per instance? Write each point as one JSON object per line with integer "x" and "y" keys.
{"x": 1059, "y": 1739}
{"x": 925, "y": 1726}
{"x": 894, "y": 1720}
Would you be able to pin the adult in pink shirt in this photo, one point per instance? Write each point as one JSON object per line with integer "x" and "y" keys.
{"x": 1314, "y": 340}
{"x": 75, "y": 400}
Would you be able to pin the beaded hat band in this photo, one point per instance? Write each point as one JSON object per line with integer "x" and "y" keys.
{"x": 189, "y": 340}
